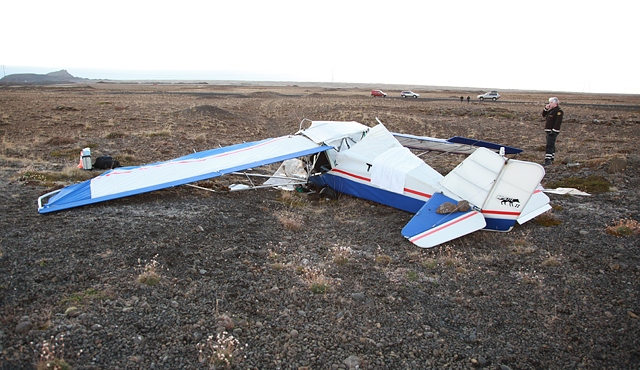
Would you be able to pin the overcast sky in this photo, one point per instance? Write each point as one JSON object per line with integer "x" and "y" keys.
{"x": 581, "y": 45}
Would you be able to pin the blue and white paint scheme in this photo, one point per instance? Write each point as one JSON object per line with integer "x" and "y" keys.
{"x": 125, "y": 181}
{"x": 380, "y": 169}
{"x": 366, "y": 162}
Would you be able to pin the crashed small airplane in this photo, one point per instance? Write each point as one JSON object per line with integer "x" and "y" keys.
{"x": 486, "y": 191}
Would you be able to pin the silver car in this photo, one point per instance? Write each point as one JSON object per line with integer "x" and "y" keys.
{"x": 493, "y": 95}
{"x": 409, "y": 94}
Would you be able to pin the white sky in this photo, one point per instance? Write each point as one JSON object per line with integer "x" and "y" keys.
{"x": 581, "y": 45}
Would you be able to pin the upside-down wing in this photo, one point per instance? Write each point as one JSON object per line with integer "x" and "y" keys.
{"x": 126, "y": 181}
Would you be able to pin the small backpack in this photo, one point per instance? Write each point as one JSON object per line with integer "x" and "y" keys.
{"x": 106, "y": 162}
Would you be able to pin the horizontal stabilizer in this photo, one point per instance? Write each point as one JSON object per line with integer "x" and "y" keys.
{"x": 484, "y": 144}
{"x": 428, "y": 228}
{"x": 456, "y": 145}
{"x": 537, "y": 205}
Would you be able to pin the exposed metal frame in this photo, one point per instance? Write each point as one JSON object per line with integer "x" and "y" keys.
{"x": 40, "y": 198}
{"x": 293, "y": 181}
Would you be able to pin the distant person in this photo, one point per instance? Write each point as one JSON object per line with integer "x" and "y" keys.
{"x": 553, "y": 119}
{"x": 461, "y": 99}
{"x": 468, "y": 99}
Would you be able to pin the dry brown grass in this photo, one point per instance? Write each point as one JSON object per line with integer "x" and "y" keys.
{"x": 265, "y": 111}
{"x": 483, "y": 258}
{"x": 292, "y": 199}
{"x": 61, "y": 140}
{"x": 624, "y": 227}
{"x": 551, "y": 261}
{"x": 317, "y": 282}
{"x": 49, "y": 179}
{"x": 381, "y": 260}
{"x": 150, "y": 273}
{"x": 447, "y": 256}
{"x": 548, "y": 219}
{"x": 341, "y": 254}
{"x": 291, "y": 220}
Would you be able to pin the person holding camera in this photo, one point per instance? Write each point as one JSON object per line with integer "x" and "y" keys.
{"x": 553, "y": 119}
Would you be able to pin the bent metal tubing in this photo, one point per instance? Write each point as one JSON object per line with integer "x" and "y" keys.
{"x": 46, "y": 196}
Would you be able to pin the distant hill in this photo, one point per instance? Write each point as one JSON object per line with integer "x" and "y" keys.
{"x": 58, "y": 77}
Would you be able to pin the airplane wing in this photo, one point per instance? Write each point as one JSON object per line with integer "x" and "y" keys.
{"x": 126, "y": 181}
{"x": 428, "y": 228}
{"x": 456, "y": 144}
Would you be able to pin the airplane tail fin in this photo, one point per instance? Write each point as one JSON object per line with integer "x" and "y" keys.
{"x": 510, "y": 196}
{"x": 498, "y": 190}
{"x": 500, "y": 187}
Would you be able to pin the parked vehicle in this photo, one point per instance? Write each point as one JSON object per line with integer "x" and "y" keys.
{"x": 375, "y": 93}
{"x": 409, "y": 94}
{"x": 493, "y": 95}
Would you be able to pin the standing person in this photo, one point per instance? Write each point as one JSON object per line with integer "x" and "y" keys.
{"x": 468, "y": 99}
{"x": 461, "y": 99}
{"x": 553, "y": 119}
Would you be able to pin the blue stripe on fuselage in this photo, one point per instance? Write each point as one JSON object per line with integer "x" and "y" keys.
{"x": 391, "y": 199}
{"x": 357, "y": 189}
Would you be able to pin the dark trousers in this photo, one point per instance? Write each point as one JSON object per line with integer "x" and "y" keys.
{"x": 551, "y": 145}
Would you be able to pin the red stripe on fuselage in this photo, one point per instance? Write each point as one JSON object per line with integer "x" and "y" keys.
{"x": 352, "y": 175}
{"x": 369, "y": 180}
{"x": 504, "y": 213}
{"x": 417, "y": 193}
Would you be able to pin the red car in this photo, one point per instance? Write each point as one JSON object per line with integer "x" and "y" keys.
{"x": 375, "y": 93}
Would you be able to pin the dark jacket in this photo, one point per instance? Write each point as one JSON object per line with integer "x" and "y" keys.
{"x": 553, "y": 119}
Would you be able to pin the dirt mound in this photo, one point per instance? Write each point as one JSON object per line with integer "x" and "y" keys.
{"x": 207, "y": 111}
{"x": 61, "y": 140}
{"x": 263, "y": 94}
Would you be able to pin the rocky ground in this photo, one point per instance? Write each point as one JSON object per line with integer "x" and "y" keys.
{"x": 281, "y": 280}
